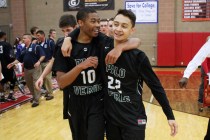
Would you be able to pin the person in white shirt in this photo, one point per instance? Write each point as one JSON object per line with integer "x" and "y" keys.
{"x": 198, "y": 59}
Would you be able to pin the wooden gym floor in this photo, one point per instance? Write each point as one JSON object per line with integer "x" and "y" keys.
{"x": 45, "y": 121}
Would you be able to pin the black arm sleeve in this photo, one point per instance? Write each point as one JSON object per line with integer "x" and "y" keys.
{"x": 74, "y": 34}
{"x": 60, "y": 63}
{"x": 58, "y": 46}
{"x": 154, "y": 84}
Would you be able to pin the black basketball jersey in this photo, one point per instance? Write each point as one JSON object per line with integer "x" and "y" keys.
{"x": 123, "y": 103}
{"x": 89, "y": 81}
{"x": 58, "y": 45}
{"x": 82, "y": 85}
{"x": 6, "y": 54}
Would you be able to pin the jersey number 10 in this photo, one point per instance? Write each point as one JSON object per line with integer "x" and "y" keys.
{"x": 89, "y": 76}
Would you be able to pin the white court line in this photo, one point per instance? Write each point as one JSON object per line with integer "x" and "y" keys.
{"x": 151, "y": 98}
{"x": 149, "y": 105}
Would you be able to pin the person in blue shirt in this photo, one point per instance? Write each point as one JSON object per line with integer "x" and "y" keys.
{"x": 48, "y": 47}
{"x": 31, "y": 56}
{"x": 18, "y": 46}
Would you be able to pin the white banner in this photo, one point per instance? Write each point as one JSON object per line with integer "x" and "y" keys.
{"x": 145, "y": 11}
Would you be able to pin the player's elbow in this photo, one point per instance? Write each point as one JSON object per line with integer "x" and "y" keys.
{"x": 60, "y": 80}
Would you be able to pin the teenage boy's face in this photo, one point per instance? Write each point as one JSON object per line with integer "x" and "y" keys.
{"x": 66, "y": 30}
{"x": 122, "y": 28}
{"x": 91, "y": 25}
{"x": 103, "y": 26}
{"x": 53, "y": 34}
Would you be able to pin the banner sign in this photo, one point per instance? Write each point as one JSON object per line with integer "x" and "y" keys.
{"x": 75, "y": 5}
{"x": 196, "y": 10}
{"x": 146, "y": 11}
{"x": 3, "y": 3}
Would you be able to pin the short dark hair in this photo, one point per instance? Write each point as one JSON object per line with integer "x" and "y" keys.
{"x": 2, "y": 34}
{"x": 51, "y": 30}
{"x": 104, "y": 19}
{"x": 67, "y": 20}
{"x": 83, "y": 13}
{"x": 33, "y": 29}
{"x": 40, "y": 32}
{"x": 129, "y": 14}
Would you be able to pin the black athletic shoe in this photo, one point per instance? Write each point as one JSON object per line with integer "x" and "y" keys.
{"x": 34, "y": 104}
{"x": 3, "y": 99}
{"x": 49, "y": 97}
{"x": 11, "y": 97}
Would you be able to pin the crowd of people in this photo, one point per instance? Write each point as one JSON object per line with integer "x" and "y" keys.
{"x": 99, "y": 69}
{"x": 33, "y": 52}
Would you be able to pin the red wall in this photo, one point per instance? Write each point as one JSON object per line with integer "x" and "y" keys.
{"x": 177, "y": 49}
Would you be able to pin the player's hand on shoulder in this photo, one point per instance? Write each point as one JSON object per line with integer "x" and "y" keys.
{"x": 113, "y": 55}
{"x": 89, "y": 62}
{"x": 174, "y": 127}
{"x": 183, "y": 82}
{"x": 66, "y": 47}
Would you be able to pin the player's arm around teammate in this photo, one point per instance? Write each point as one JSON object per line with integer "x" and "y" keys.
{"x": 112, "y": 56}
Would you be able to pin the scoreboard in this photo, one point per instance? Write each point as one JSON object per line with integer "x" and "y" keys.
{"x": 196, "y": 10}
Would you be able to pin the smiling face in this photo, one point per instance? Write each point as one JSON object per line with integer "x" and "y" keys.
{"x": 90, "y": 25}
{"x": 122, "y": 28}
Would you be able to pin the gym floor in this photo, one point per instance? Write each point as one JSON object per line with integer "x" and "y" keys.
{"x": 45, "y": 122}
